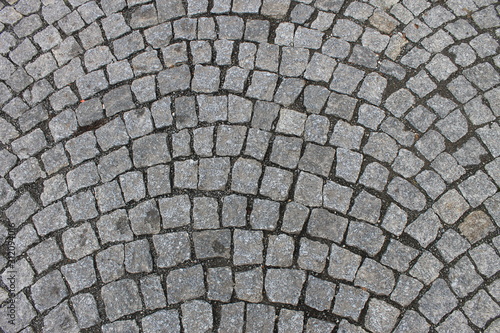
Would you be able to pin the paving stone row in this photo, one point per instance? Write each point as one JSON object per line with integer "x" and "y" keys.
{"x": 250, "y": 165}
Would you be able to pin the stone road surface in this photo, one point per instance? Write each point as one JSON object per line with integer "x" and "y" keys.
{"x": 250, "y": 166}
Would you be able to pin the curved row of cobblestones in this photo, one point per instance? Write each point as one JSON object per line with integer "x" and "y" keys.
{"x": 249, "y": 165}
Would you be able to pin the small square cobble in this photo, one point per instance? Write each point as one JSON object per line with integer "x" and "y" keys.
{"x": 220, "y": 283}
{"x": 284, "y": 285}
{"x": 234, "y": 211}
{"x": 265, "y": 214}
{"x": 86, "y": 310}
{"x": 109, "y": 263}
{"x": 45, "y": 254}
{"x": 79, "y": 242}
{"x": 317, "y": 159}
{"x": 312, "y": 255}
{"x": 245, "y": 176}
{"x": 437, "y": 301}
{"x": 205, "y": 213}
{"x": 173, "y": 249}
{"x": 138, "y": 257}
{"x": 427, "y": 268}
{"x": 343, "y": 263}
{"x": 319, "y": 293}
{"x": 280, "y": 250}
{"x": 175, "y": 211}
{"x": 464, "y": 278}
{"x": 49, "y": 291}
{"x": 114, "y": 227}
{"x": 184, "y": 284}
{"x": 398, "y": 256}
{"x": 80, "y": 275}
{"x": 366, "y": 237}
{"x": 406, "y": 290}
{"x": 349, "y": 301}
{"x": 212, "y": 244}
{"x": 248, "y": 247}
{"x": 121, "y": 298}
{"x": 152, "y": 292}
{"x": 326, "y": 225}
{"x": 276, "y": 183}
{"x": 375, "y": 277}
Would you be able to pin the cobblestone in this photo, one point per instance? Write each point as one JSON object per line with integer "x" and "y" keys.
{"x": 437, "y": 302}
{"x": 248, "y": 285}
{"x": 275, "y": 255}
{"x": 284, "y": 285}
{"x": 349, "y": 301}
{"x": 406, "y": 290}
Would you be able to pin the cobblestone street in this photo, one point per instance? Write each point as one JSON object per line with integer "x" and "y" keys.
{"x": 249, "y": 166}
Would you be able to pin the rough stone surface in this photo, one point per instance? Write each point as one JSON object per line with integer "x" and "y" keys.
{"x": 250, "y": 165}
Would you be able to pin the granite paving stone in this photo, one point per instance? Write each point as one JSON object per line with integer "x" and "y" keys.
{"x": 412, "y": 321}
{"x": 212, "y": 244}
{"x": 79, "y": 242}
{"x": 427, "y": 268}
{"x": 185, "y": 284}
{"x": 343, "y": 263}
{"x": 294, "y": 218}
{"x": 289, "y": 90}
{"x": 48, "y": 291}
{"x": 275, "y": 255}
{"x": 205, "y": 213}
{"x": 120, "y": 325}
{"x": 375, "y": 176}
{"x": 406, "y": 290}
{"x": 152, "y": 292}
{"x": 122, "y": 298}
{"x": 109, "y": 263}
{"x": 145, "y": 218}
{"x": 276, "y": 183}
{"x": 86, "y": 310}
{"x": 284, "y": 285}
{"x": 232, "y": 316}
{"x": 464, "y": 278}
{"x": 398, "y": 256}
{"x": 45, "y": 254}
{"x": 248, "y": 247}
{"x": 220, "y": 283}
{"x": 80, "y": 275}
{"x": 437, "y": 302}
{"x": 349, "y": 301}
{"x": 326, "y": 225}
{"x": 114, "y": 227}
{"x": 172, "y": 249}
{"x": 61, "y": 318}
{"x": 381, "y": 316}
{"x": 248, "y": 285}
{"x": 484, "y": 256}
{"x": 476, "y": 226}
{"x": 309, "y": 190}
{"x": 455, "y": 321}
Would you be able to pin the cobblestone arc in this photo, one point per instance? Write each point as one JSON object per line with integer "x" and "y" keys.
{"x": 249, "y": 166}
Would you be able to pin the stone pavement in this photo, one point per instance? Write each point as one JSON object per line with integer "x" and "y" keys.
{"x": 250, "y": 166}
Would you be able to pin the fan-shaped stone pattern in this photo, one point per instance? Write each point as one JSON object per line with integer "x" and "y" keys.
{"x": 250, "y": 165}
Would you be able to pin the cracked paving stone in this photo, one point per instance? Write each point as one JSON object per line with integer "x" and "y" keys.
{"x": 437, "y": 301}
